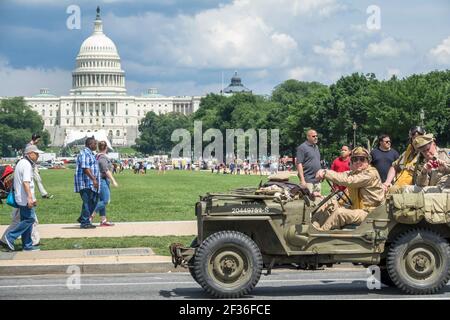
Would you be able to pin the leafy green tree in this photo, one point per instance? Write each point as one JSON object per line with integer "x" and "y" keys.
{"x": 17, "y": 123}
{"x": 156, "y": 131}
{"x": 390, "y": 106}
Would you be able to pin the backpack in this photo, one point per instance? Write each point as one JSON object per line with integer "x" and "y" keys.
{"x": 6, "y": 181}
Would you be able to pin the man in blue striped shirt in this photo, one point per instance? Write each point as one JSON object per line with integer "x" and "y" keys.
{"x": 87, "y": 177}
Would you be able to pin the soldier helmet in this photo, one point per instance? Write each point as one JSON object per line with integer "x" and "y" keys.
{"x": 421, "y": 141}
{"x": 416, "y": 129}
{"x": 361, "y": 152}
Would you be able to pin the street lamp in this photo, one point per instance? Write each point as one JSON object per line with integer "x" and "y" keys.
{"x": 422, "y": 116}
{"x": 354, "y": 134}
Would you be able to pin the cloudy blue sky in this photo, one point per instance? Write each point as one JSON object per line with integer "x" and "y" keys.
{"x": 182, "y": 47}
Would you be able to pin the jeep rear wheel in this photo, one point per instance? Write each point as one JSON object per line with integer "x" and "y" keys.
{"x": 419, "y": 262}
{"x": 228, "y": 264}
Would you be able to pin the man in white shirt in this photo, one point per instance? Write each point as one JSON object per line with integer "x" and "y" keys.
{"x": 25, "y": 199}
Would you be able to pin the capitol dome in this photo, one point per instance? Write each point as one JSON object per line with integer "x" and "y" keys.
{"x": 98, "y": 69}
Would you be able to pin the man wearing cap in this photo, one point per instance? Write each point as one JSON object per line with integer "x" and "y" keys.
{"x": 25, "y": 199}
{"x": 435, "y": 174}
{"x": 365, "y": 192}
{"x": 406, "y": 168}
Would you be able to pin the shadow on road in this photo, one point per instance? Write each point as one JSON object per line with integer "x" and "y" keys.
{"x": 355, "y": 289}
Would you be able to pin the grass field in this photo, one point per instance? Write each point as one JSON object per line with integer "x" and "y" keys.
{"x": 150, "y": 197}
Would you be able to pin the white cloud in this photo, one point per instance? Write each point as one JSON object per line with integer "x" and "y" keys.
{"x": 441, "y": 54}
{"x": 357, "y": 63}
{"x": 302, "y": 73}
{"x": 388, "y": 47}
{"x": 336, "y": 53}
{"x": 393, "y": 72}
{"x": 179, "y": 88}
{"x": 242, "y": 34}
{"x": 322, "y": 7}
{"x": 27, "y": 81}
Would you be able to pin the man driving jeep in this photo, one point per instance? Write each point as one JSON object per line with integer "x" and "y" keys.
{"x": 365, "y": 192}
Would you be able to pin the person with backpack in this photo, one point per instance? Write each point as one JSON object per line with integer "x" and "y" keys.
{"x": 25, "y": 200}
{"x": 105, "y": 166}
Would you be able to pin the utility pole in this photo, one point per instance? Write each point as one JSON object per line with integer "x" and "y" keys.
{"x": 422, "y": 117}
{"x": 354, "y": 134}
{"x": 221, "y": 91}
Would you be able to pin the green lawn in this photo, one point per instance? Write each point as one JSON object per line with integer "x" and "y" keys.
{"x": 150, "y": 197}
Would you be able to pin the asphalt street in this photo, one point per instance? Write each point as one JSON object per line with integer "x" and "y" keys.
{"x": 286, "y": 285}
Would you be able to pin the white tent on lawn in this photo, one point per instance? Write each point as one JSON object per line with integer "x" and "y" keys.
{"x": 76, "y": 137}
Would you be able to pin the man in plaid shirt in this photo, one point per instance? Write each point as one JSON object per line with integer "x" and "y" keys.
{"x": 87, "y": 177}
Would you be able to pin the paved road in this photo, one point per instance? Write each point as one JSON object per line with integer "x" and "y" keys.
{"x": 304, "y": 285}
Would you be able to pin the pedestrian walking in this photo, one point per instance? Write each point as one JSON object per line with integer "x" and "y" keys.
{"x": 106, "y": 178}
{"x": 87, "y": 178}
{"x": 35, "y": 138}
{"x": 15, "y": 220}
{"x": 25, "y": 199}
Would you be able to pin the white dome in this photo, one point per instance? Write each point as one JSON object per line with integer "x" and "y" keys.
{"x": 98, "y": 43}
{"x": 98, "y": 68}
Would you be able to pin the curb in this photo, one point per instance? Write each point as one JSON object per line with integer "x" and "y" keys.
{"x": 153, "y": 267}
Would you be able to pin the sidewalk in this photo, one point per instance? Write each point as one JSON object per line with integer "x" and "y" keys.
{"x": 90, "y": 261}
{"x": 120, "y": 229}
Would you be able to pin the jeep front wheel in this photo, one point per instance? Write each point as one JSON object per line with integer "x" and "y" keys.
{"x": 191, "y": 264}
{"x": 418, "y": 262}
{"x": 228, "y": 264}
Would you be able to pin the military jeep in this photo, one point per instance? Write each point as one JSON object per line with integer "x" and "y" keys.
{"x": 251, "y": 229}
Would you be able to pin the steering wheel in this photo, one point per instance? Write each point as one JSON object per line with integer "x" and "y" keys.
{"x": 335, "y": 192}
{"x": 340, "y": 195}
{"x": 327, "y": 198}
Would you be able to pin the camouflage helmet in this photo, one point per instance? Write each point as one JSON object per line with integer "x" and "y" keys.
{"x": 421, "y": 141}
{"x": 361, "y": 152}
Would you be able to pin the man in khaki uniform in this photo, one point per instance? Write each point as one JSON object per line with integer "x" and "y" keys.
{"x": 365, "y": 191}
{"x": 435, "y": 174}
{"x": 407, "y": 166}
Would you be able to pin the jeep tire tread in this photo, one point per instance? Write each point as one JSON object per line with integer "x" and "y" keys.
{"x": 418, "y": 261}
{"x": 228, "y": 264}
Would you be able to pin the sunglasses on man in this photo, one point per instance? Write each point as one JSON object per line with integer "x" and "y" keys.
{"x": 360, "y": 159}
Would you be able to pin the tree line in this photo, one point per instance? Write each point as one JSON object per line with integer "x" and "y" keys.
{"x": 376, "y": 106}
{"x": 17, "y": 123}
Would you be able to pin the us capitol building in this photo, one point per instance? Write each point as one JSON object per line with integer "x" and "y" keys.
{"x": 98, "y": 100}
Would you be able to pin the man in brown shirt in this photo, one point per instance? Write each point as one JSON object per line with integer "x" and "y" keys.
{"x": 435, "y": 174}
{"x": 365, "y": 191}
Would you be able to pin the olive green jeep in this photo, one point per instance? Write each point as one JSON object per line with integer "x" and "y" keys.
{"x": 251, "y": 229}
